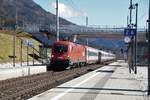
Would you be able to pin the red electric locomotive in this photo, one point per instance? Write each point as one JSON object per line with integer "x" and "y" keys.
{"x": 66, "y": 54}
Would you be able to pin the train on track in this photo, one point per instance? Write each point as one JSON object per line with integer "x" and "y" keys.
{"x": 66, "y": 54}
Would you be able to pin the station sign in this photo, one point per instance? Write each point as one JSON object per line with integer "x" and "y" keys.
{"x": 130, "y": 32}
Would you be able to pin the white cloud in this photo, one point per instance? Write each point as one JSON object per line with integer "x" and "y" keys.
{"x": 67, "y": 11}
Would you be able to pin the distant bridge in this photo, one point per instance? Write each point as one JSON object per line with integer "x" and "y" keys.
{"x": 85, "y": 32}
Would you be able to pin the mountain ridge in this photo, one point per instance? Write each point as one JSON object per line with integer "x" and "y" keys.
{"x": 28, "y": 12}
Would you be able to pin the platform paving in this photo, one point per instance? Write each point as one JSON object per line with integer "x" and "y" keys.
{"x": 111, "y": 82}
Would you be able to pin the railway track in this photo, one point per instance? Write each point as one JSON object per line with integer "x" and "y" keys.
{"x": 25, "y": 87}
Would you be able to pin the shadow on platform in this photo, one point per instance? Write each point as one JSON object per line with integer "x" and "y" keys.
{"x": 106, "y": 71}
{"x": 110, "y": 89}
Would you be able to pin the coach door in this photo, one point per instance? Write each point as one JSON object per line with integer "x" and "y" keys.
{"x": 99, "y": 57}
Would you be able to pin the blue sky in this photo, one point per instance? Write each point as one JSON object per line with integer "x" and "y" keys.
{"x": 99, "y": 12}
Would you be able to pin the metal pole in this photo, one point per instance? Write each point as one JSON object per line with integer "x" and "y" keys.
{"x": 149, "y": 51}
{"x": 146, "y": 27}
{"x": 27, "y": 55}
{"x": 57, "y": 19}
{"x": 14, "y": 39}
{"x": 14, "y": 49}
{"x": 46, "y": 54}
{"x": 135, "y": 50}
{"x": 128, "y": 48}
{"x": 130, "y": 12}
{"x": 21, "y": 54}
{"x": 87, "y": 43}
{"x": 87, "y": 40}
{"x": 33, "y": 55}
{"x": 127, "y": 21}
{"x": 132, "y": 41}
{"x": 130, "y": 25}
{"x": 86, "y": 21}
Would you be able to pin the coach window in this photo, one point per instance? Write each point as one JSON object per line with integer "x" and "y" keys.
{"x": 92, "y": 53}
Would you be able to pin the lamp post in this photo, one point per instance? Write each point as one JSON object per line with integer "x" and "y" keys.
{"x": 131, "y": 26}
{"x": 135, "y": 50}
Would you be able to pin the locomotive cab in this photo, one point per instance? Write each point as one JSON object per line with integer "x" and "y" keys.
{"x": 60, "y": 55}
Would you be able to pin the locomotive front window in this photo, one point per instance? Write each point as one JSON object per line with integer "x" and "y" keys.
{"x": 60, "y": 48}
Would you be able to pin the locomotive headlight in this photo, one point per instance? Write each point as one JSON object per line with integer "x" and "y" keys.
{"x": 52, "y": 55}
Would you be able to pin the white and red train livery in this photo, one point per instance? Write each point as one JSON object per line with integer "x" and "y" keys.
{"x": 65, "y": 53}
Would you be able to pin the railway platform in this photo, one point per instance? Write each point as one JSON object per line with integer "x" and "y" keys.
{"x": 111, "y": 82}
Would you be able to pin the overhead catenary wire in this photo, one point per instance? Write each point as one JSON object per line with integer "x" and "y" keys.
{"x": 144, "y": 12}
{"x": 140, "y": 1}
{"x": 74, "y": 6}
